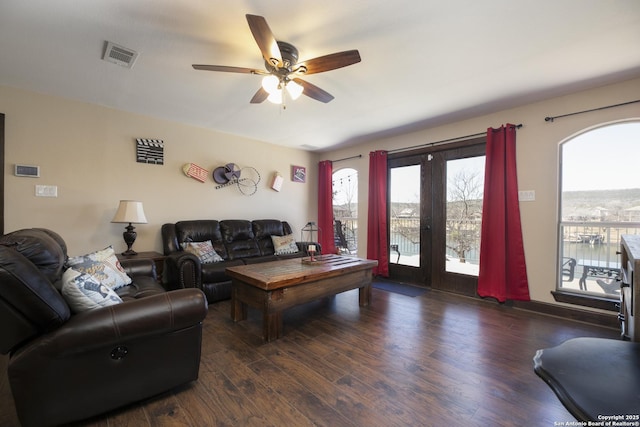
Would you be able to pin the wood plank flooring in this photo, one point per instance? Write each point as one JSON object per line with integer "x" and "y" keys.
{"x": 435, "y": 360}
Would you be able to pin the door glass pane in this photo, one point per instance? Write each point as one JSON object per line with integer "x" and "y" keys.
{"x": 404, "y": 191}
{"x": 345, "y": 210}
{"x": 465, "y": 187}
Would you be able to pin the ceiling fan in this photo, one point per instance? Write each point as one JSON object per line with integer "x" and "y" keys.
{"x": 283, "y": 71}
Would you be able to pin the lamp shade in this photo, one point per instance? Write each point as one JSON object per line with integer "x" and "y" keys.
{"x": 294, "y": 89}
{"x": 275, "y": 97}
{"x": 270, "y": 83}
{"x": 130, "y": 211}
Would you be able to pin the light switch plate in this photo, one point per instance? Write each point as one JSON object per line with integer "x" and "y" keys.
{"x": 46, "y": 191}
{"x": 527, "y": 195}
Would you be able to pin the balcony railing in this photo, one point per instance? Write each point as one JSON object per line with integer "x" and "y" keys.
{"x": 462, "y": 244}
{"x": 589, "y": 255}
{"x": 588, "y": 252}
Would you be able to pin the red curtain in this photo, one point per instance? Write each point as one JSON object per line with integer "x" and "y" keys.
{"x": 325, "y": 207}
{"x": 503, "y": 271}
{"x": 377, "y": 242}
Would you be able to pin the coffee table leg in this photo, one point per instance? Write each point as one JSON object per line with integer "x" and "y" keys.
{"x": 365, "y": 295}
{"x": 238, "y": 308}
{"x": 271, "y": 325}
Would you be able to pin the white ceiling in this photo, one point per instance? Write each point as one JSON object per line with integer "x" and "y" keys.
{"x": 424, "y": 62}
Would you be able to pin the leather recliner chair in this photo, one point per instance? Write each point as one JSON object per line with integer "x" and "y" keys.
{"x": 65, "y": 367}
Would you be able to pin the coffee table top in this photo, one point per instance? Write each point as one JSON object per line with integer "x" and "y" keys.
{"x": 279, "y": 274}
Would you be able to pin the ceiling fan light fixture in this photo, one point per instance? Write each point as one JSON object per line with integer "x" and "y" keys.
{"x": 294, "y": 89}
{"x": 270, "y": 83}
{"x": 281, "y": 63}
{"x": 275, "y": 97}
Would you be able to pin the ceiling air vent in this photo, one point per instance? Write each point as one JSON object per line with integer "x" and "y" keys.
{"x": 119, "y": 55}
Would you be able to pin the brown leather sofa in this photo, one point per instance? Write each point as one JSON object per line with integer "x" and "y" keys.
{"x": 65, "y": 367}
{"x": 238, "y": 242}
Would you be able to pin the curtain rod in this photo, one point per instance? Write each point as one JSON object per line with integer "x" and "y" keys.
{"x": 347, "y": 158}
{"x": 444, "y": 141}
{"x": 552, "y": 118}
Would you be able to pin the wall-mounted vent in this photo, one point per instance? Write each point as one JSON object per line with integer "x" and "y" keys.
{"x": 119, "y": 55}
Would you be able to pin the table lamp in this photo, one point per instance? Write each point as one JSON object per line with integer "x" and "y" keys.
{"x": 130, "y": 211}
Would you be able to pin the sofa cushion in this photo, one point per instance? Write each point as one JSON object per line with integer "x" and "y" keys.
{"x": 213, "y": 273}
{"x": 236, "y": 229}
{"x": 239, "y": 239}
{"x": 41, "y": 248}
{"x": 84, "y": 292}
{"x": 36, "y": 306}
{"x": 263, "y": 229}
{"x": 141, "y": 287}
{"x": 201, "y": 231}
{"x": 103, "y": 265}
{"x": 203, "y": 250}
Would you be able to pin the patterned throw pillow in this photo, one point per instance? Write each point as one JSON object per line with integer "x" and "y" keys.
{"x": 84, "y": 292}
{"x": 284, "y": 244}
{"x": 203, "y": 250}
{"x": 103, "y": 266}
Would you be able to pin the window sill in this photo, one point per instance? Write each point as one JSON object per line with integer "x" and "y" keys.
{"x": 603, "y": 303}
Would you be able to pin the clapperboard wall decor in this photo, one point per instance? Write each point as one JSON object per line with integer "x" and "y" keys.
{"x": 150, "y": 151}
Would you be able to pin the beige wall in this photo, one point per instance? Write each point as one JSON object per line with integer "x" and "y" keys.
{"x": 88, "y": 152}
{"x": 537, "y": 145}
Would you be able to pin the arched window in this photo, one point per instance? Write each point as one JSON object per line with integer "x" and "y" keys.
{"x": 599, "y": 202}
{"x": 345, "y": 210}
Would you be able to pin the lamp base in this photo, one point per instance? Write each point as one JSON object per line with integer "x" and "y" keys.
{"x": 129, "y": 237}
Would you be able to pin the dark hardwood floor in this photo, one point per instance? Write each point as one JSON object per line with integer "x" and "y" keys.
{"x": 434, "y": 360}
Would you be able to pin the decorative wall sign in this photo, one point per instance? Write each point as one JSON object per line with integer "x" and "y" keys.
{"x": 196, "y": 172}
{"x": 226, "y": 173}
{"x": 246, "y": 179}
{"x": 150, "y": 151}
{"x": 298, "y": 174}
{"x": 276, "y": 182}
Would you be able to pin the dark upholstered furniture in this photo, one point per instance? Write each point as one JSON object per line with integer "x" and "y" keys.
{"x": 238, "y": 242}
{"x": 65, "y": 367}
{"x": 596, "y": 379}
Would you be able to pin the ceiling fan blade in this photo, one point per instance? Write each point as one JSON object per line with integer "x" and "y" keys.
{"x": 329, "y": 62}
{"x": 313, "y": 91}
{"x": 265, "y": 39}
{"x": 228, "y": 69}
{"x": 260, "y": 96}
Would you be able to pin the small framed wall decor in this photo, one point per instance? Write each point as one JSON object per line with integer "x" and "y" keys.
{"x": 150, "y": 151}
{"x": 298, "y": 174}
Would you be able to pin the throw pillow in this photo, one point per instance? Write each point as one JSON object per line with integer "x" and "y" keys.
{"x": 84, "y": 292}
{"x": 284, "y": 244}
{"x": 103, "y": 265}
{"x": 203, "y": 250}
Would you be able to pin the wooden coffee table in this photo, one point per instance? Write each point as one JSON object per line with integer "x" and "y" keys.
{"x": 275, "y": 286}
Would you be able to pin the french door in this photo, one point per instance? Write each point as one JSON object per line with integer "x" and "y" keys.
{"x": 434, "y": 216}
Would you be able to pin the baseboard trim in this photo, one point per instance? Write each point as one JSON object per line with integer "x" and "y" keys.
{"x": 601, "y": 319}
